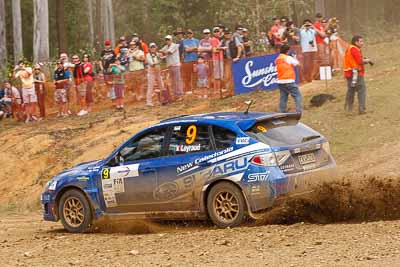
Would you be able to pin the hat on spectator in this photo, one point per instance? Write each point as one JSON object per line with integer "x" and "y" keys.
{"x": 239, "y": 28}
{"x": 216, "y": 29}
{"x": 318, "y": 15}
{"x": 135, "y": 35}
{"x": 107, "y": 42}
{"x": 245, "y": 30}
{"x": 275, "y": 18}
{"x": 206, "y": 31}
{"x": 152, "y": 45}
{"x": 227, "y": 30}
{"x": 179, "y": 30}
{"x": 168, "y": 37}
{"x": 189, "y": 31}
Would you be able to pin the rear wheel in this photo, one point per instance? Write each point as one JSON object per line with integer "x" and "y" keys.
{"x": 226, "y": 205}
{"x": 74, "y": 210}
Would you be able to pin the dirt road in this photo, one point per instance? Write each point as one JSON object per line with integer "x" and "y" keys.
{"x": 28, "y": 241}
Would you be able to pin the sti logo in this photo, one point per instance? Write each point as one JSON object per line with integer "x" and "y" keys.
{"x": 258, "y": 177}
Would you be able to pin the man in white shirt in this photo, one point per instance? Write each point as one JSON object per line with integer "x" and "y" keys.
{"x": 171, "y": 53}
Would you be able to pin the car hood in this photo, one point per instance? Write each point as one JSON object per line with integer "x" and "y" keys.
{"x": 82, "y": 169}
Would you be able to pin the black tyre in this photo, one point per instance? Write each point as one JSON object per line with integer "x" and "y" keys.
{"x": 75, "y": 212}
{"x": 225, "y": 205}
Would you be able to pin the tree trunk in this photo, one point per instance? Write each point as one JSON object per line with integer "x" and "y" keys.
{"x": 105, "y": 19}
{"x": 111, "y": 21}
{"x": 17, "y": 32}
{"x": 3, "y": 47}
{"x": 90, "y": 16}
{"x": 320, "y": 7}
{"x": 61, "y": 33}
{"x": 40, "y": 31}
{"x": 99, "y": 37}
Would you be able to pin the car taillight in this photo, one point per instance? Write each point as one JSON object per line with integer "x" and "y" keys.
{"x": 264, "y": 159}
{"x": 326, "y": 147}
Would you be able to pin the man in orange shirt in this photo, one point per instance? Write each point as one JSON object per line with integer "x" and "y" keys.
{"x": 354, "y": 72}
{"x": 285, "y": 67}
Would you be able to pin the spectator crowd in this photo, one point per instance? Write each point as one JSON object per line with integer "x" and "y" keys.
{"x": 133, "y": 70}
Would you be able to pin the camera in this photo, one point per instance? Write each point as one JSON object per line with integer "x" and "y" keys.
{"x": 311, "y": 43}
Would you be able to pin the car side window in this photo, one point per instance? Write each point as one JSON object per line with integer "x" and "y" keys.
{"x": 224, "y": 138}
{"x": 189, "y": 138}
{"x": 147, "y": 146}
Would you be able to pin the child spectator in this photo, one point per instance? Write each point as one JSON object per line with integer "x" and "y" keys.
{"x": 12, "y": 98}
{"x": 117, "y": 70}
{"x": 201, "y": 68}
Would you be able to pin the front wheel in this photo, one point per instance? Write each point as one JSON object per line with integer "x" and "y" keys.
{"x": 74, "y": 210}
{"x": 226, "y": 205}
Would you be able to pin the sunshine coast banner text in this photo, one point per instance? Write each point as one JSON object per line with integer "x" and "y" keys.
{"x": 256, "y": 73}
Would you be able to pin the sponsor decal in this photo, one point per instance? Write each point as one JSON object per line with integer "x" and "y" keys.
{"x": 230, "y": 167}
{"x": 177, "y": 128}
{"x": 183, "y": 148}
{"x": 52, "y": 186}
{"x": 82, "y": 178}
{"x": 105, "y": 174}
{"x": 287, "y": 167}
{"x": 166, "y": 191}
{"x": 119, "y": 185}
{"x": 258, "y": 177}
{"x": 255, "y": 189}
{"x": 191, "y": 134}
{"x": 242, "y": 140}
{"x": 109, "y": 199}
{"x": 191, "y": 165}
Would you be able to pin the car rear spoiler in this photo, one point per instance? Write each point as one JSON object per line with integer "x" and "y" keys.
{"x": 247, "y": 124}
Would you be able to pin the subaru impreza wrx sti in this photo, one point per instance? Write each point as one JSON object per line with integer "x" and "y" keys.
{"x": 221, "y": 166}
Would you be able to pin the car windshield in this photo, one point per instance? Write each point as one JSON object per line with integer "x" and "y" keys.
{"x": 282, "y": 132}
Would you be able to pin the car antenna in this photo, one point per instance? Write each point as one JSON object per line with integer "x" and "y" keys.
{"x": 249, "y": 103}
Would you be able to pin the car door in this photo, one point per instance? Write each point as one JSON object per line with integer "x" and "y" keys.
{"x": 185, "y": 168}
{"x": 129, "y": 181}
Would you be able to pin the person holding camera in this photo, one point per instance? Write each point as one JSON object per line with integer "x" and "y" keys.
{"x": 309, "y": 49}
{"x": 354, "y": 72}
{"x": 29, "y": 97}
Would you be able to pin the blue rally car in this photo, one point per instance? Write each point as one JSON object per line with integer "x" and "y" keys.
{"x": 221, "y": 166}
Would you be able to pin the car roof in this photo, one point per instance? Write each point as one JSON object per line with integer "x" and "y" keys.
{"x": 227, "y": 119}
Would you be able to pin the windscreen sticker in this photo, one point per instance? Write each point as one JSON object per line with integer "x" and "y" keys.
{"x": 191, "y": 148}
{"x": 242, "y": 140}
{"x": 177, "y": 128}
{"x": 262, "y": 128}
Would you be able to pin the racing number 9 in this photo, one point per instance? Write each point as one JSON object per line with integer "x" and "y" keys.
{"x": 106, "y": 173}
{"x": 191, "y": 134}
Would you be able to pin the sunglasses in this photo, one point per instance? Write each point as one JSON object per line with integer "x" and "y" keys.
{"x": 189, "y": 32}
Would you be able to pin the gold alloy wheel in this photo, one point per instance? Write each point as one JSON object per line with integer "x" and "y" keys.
{"x": 226, "y": 206}
{"x": 73, "y": 212}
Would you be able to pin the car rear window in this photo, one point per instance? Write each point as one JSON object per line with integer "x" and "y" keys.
{"x": 282, "y": 132}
